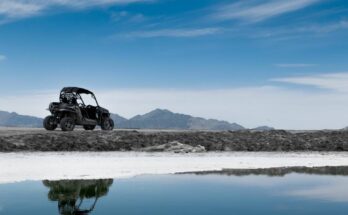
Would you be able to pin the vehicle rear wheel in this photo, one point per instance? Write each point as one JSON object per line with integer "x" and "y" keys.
{"x": 107, "y": 124}
{"x": 67, "y": 124}
{"x": 89, "y": 127}
{"x": 49, "y": 123}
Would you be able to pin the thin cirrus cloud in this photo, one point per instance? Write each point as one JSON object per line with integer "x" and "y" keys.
{"x": 2, "y": 58}
{"x": 334, "y": 81}
{"x": 294, "y": 65}
{"x": 179, "y": 32}
{"x": 326, "y": 28}
{"x": 15, "y": 9}
{"x": 124, "y": 15}
{"x": 299, "y": 31}
{"x": 254, "y": 11}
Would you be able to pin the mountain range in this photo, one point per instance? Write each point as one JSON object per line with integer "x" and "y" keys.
{"x": 15, "y": 120}
{"x": 165, "y": 119}
{"x": 156, "y": 119}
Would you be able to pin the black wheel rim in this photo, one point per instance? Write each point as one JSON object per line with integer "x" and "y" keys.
{"x": 107, "y": 124}
{"x": 69, "y": 125}
{"x": 51, "y": 122}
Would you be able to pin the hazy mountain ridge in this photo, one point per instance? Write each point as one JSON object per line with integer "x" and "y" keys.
{"x": 156, "y": 119}
{"x": 15, "y": 120}
{"x": 263, "y": 128}
{"x": 165, "y": 119}
{"x": 117, "y": 118}
{"x": 197, "y": 123}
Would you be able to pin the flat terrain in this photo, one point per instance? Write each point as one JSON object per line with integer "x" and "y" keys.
{"x": 97, "y": 165}
{"x": 14, "y": 140}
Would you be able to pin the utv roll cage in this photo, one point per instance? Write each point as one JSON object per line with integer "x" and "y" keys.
{"x": 70, "y": 93}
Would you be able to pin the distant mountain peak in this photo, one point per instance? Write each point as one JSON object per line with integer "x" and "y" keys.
{"x": 166, "y": 119}
{"x": 263, "y": 128}
{"x": 12, "y": 119}
{"x": 159, "y": 110}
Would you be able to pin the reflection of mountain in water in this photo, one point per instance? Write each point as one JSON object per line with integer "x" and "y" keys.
{"x": 279, "y": 171}
{"x": 70, "y": 194}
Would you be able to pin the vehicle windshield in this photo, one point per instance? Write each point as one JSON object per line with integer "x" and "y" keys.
{"x": 88, "y": 99}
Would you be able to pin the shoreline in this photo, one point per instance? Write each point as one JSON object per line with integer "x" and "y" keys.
{"x": 17, "y": 167}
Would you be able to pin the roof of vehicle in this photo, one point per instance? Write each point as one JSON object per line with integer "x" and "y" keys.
{"x": 77, "y": 90}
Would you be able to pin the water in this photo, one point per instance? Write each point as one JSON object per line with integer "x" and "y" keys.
{"x": 270, "y": 191}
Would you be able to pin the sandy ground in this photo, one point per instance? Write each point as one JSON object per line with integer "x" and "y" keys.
{"x": 15, "y": 167}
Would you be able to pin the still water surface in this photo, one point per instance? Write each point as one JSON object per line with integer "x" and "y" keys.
{"x": 259, "y": 192}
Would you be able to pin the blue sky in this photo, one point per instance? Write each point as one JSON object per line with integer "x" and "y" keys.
{"x": 178, "y": 46}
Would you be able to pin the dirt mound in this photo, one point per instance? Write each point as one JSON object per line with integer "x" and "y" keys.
{"x": 175, "y": 147}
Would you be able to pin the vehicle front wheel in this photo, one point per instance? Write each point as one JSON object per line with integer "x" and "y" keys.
{"x": 49, "y": 123}
{"x": 67, "y": 124}
{"x": 107, "y": 124}
{"x": 89, "y": 127}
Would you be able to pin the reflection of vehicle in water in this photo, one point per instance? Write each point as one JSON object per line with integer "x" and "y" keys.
{"x": 70, "y": 194}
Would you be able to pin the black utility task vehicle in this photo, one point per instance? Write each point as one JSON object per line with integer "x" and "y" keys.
{"x": 71, "y": 110}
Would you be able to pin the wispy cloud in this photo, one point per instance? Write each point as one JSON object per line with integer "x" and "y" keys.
{"x": 335, "y": 81}
{"x": 325, "y": 28}
{"x": 2, "y": 57}
{"x": 126, "y": 16}
{"x": 15, "y": 9}
{"x": 255, "y": 11}
{"x": 294, "y": 65}
{"x": 304, "y": 30}
{"x": 179, "y": 32}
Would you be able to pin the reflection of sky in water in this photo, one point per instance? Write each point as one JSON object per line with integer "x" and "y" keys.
{"x": 190, "y": 194}
{"x": 332, "y": 189}
{"x": 328, "y": 188}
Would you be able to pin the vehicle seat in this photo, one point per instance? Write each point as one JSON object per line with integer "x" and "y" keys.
{"x": 74, "y": 101}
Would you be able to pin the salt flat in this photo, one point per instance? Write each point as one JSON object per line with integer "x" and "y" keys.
{"x": 15, "y": 167}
